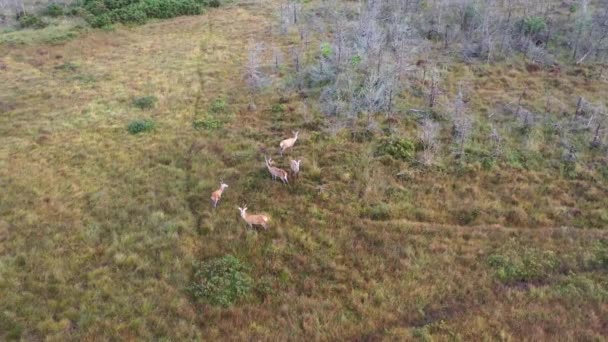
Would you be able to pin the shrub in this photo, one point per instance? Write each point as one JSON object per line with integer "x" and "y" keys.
{"x": 132, "y": 14}
{"x": 466, "y": 216}
{"x": 54, "y": 10}
{"x": 221, "y": 281}
{"x": 208, "y": 123}
{"x": 218, "y": 105}
{"x": 96, "y": 7}
{"x": 523, "y": 264}
{"x": 140, "y": 126}
{"x": 533, "y": 25}
{"x": 31, "y": 21}
{"x": 211, "y": 3}
{"x": 145, "y": 102}
{"x": 397, "y": 148}
{"x": 377, "y": 212}
{"x": 100, "y": 21}
{"x": 278, "y": 108}
{"x": 170, "y": 8}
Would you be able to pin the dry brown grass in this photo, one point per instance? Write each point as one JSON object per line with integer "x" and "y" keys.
{"x": 99, "y": 228}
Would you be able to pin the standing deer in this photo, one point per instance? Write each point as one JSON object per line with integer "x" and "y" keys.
{"x": 295, "y": 167}
{"x": 288, "y": 143}
{"x": 217, "y": 194}
{"x": 254, "y": 220}
{"x": 276, "y": 172}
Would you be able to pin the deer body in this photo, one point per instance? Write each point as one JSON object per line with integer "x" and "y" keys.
{"x": 254, "y": 220}
{"x": 288, "y": 143}
{"x": 276, "y": 172}
{"x": 295, "y": 166}
{"x": 217, "y": 194}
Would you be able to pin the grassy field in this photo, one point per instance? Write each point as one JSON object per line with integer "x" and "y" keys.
{"x": 100, "y": 229}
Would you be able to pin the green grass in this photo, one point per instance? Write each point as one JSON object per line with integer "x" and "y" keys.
{"x": 99, "y": 230}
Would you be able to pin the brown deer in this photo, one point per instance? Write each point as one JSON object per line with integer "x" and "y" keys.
{"x": 276, "y": 172}
{"x": 217, "y": 194}
{"x": 288, "y": 143}
{"x": 295, "y": 167}
{"x": 254, "y": 220}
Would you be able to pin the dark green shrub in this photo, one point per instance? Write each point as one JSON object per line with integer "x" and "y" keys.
{"x": 523, "y": 264}
{"x": 116, "y": 4}
{"x": 170, "y": 8}
{"x": 397, "y": 148}
{"x": 533, "y": 25}
{"x": 132, "y": 14}
{"x": 103, "y": 20}
{"x": 96, "y": 7}
{"x": 377, "y": 212}
{"x": 278, "y": 108}
{"x": 211, "y": 3}
{"x": 218, "y": 106}
{"x": 140, "y": 126}
{"x": 208, "y": 123}
{"x": 221, "y": 281}
{"x": 31, "y": 21}
{"x": 145, "y": 102}
{"x": 54, "y": 10}
{"x": 466, "y": 216}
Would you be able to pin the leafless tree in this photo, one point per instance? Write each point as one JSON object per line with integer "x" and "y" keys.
{"x": 461, "y": 123}
{"x": 429, "y": 140}
{"x": 253, "y": 75}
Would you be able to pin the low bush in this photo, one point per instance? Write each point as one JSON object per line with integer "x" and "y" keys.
{"x": 378, "y": 212}
{"x": 523, "y": 264}
{"x": 145, "y": 102}
{"x": 278, "y": 108}
{"x": 54, "y": 10}
{"x": 31, "y": 21}
{"x": 221, "y": 281}
{"x": 398, "y": 148}
{"x": 140, "y": 126}
{"x": 218, "y": 106}
{"x": 101, "y": 13}
{"x": 211, "y": 3}
{"x": 208, "y": 123}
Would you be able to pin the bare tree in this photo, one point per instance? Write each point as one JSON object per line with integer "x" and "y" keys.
{"x": 429, "y": 140}
{"x": 253, "y": 75}
{"x": 461, "y": 123}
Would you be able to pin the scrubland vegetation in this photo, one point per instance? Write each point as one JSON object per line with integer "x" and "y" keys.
{"x": 453, "y": 183}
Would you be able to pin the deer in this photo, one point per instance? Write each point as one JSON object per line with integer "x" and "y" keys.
{"x": 217, "y": 194}
{"x": 295, "y": 167}
{"x": 276, "y": 172}
{"x": 288, "y": 143}
{"x": 254, "y": 220}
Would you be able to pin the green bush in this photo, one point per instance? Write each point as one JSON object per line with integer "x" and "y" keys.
{"x": 523, "y": 264}
{"x": 116, "y": 4}
{"x": 132, "y": 14}
{"x": 533, "y": 25}
{"x": 221, "y": 281}
{"x": 377, "y": 212}
{"x": 96, "y": 7}
{"x": 54, "y": 10}
{"x": 211, "y": 3}
{"x": 218, "y": 105}
{"x": 140, "y": 126}
{"x": 397, "y": 148}
{"x": 103, "y": 20}
{"x": 208, "y": 123}
{"x": 31, "y": 21}
{"x": 102, "y": 13}
{"x": 145, "y": 102}
{"x": 278, "y": 108}
{"x": 170, "y": 8}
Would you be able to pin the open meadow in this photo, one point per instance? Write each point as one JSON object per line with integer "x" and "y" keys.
{"x": 112, "y": 140}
